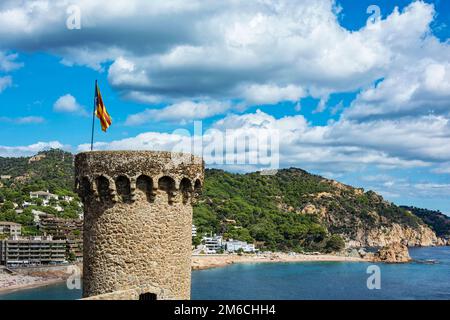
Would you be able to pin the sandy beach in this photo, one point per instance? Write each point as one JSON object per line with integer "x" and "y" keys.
{"x": 200, "y": 262}
{"x": 13, "y": 283}
{"x": 30, "y": 279}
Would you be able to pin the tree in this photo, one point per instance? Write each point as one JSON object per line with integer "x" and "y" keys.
{"x": 71, "y": 257}
{"x": 8, "y": 205}
{"x": 335, "y": 243}
{"x": 25, "y": 218}
{"x": 50, "y": 210}
{"x": 196, "y": 240}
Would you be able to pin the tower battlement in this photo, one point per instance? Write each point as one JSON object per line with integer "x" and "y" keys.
{"x": 137, "y": 221}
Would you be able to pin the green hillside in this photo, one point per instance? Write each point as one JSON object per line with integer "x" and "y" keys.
{"x": 52, "y": 170}
{"x": 440, "y": 223}
{"x": 292, "y": 210}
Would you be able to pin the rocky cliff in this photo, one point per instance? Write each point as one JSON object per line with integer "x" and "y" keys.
{"x": 395, "y": 233}
{"x": 365, "y": 219}
{"x": 357, "y": 232}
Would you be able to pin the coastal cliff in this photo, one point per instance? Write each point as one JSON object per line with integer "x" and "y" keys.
{"x": 365, "y": 219}
{"x": 358, "y": 233}
{"x": 395, "y": 233}
{"x": 296, "y": 210}
{"x": 380, "y": 232}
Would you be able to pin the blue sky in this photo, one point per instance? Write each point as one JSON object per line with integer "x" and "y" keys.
{"x": 365, "y": 103}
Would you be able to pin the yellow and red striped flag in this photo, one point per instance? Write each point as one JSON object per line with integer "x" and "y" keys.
{"x": 100, "y": 110}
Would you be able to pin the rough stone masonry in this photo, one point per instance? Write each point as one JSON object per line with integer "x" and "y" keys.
{"x": 137, "y": 222}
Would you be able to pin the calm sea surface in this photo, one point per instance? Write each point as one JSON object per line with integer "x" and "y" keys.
{"x": 308, "y": 280}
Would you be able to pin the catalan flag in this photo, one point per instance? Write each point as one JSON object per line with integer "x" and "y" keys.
{"x": 100, "y": 109}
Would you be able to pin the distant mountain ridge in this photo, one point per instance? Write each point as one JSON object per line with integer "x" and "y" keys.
{"x": 292, "y": 210}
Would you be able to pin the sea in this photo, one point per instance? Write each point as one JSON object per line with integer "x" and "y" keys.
{"x": 428, "y": 277}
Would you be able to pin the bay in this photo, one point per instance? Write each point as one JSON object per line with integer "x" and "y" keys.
{"x": 426, "y": 278}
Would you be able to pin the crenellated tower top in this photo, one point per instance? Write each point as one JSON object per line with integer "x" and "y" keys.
{"x": 116, "y": 176}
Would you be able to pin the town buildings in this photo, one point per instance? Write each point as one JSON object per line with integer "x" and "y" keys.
{"x": 212, "y": 244}
{"x": 45, "y": 196}
{"x": 39, "y": 250}
{"x": 236, "y": 246}
{"x": 59, "y": 228}
{"x": 61, "y": 239}
{"x": 32, "y": 251}
{"x": 62, "y": 242}
{"x": 11, "y": 229}
{"x": 66, "y": 198}
{"x": 216, "y": 244}
{"x": 37, "y": 214}
{"x": 74, "y": 247}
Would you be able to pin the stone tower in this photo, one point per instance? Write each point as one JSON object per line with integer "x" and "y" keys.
{"x": 137, "y": 222}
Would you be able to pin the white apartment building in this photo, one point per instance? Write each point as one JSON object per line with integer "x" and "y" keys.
{"x": 235, "y": 245}
{"x": 213, "y": 244}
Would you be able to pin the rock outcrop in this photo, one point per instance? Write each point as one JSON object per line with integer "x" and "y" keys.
{"x": 393, "y": 253}
{"x": 386, "y": 235}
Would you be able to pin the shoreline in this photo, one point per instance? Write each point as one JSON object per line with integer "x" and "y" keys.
{"x": 28, "y": 280}
{"x": 37, "y": 284}
{"x": 32, "y": 277}
{"x": 199, "y": 262}
{"x": 202, "y": 262}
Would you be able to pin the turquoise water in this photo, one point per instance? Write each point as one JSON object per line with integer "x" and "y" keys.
{"x": 308, "y": 280}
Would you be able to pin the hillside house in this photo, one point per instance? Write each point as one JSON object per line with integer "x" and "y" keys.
{"x": 44, "y": 195}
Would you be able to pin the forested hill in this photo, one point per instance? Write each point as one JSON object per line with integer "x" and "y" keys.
{"x": 439, "y": 222}
{"x": 52, "y": 170}
{"x": 292, "y": 210}
{"x": 297, "y": 210}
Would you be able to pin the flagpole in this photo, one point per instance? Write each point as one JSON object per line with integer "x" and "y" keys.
{"x": 93, "y": 116}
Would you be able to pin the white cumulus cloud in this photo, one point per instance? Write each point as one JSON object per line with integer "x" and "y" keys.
{"x": 29, "y": 150}
{"x": 337, "y": 147}
{"x": 260, "y": 52}
{"x": 68, "y": 103}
